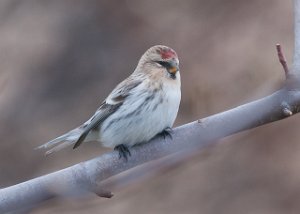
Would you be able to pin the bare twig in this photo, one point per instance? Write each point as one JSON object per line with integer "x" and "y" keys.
{"x": 282, "y": 59}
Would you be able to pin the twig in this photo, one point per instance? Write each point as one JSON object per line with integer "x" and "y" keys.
{"x": 282, "y": 59}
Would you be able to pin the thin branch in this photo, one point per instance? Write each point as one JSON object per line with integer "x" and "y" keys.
{"x": 282, "y": 59}
{"x": 89, "y": 176}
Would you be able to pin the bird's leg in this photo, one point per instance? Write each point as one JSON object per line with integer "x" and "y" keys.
{"x": 167, "y": 132}
{"x": 123, "y": 151}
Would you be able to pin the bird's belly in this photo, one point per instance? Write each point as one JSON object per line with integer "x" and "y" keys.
{"x": 140, "y": 126}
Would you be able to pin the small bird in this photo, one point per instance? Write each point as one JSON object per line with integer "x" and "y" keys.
{"x": 142, "y": 106}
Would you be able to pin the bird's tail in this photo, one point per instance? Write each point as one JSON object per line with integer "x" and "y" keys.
{"x": 61, "y": 142}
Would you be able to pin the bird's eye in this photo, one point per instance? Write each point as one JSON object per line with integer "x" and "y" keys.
{"x": 162, "y": 64}
{"x": 158, "y": 64}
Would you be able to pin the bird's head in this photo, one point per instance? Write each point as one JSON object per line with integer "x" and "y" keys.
{"x": 160, "y": 59}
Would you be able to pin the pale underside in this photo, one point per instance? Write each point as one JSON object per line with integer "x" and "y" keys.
{"x": 144, "y": 113}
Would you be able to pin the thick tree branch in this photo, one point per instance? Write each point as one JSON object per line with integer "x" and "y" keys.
{"x": 89, "y": 176}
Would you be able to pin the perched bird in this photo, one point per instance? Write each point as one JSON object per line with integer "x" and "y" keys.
{"x": 140, "y": 107}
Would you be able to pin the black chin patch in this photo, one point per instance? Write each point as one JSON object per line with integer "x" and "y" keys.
{"x": 173, "y": 76}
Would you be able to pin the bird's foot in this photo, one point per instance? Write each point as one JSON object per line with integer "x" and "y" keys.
{"x": 123, "y": 151}
{"x": 167, "y": 132}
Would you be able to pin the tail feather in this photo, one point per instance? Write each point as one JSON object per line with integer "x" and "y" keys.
{"x": 61, "y": 142}
{"x": 60, "y": 146}
{"x": 53, "y": 142}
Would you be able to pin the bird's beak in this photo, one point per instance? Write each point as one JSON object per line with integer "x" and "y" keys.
{"x": 173, "y": 67}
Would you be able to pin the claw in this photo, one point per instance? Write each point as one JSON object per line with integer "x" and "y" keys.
{"x": 123, "y": 151}
{"x": 167, "y": 132}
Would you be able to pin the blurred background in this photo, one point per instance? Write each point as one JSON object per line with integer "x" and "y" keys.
{"x": 59, "y": 59}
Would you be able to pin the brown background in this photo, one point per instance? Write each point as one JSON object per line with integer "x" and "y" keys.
{"x": 59, "y": 59}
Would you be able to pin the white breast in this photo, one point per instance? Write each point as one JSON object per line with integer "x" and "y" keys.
{"x": 137, "y": 120}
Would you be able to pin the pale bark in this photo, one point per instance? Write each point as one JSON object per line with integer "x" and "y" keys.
{"x": 87, "y": 176}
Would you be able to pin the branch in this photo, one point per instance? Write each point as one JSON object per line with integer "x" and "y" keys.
{"x": 282, "y": 59}
{"x": 296, "y": 60}
{"x": 89, "y": 176}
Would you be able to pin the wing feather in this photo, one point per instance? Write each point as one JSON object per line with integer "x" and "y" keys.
{"x": 109, "y": 106}
{"x": 96, "y": 120}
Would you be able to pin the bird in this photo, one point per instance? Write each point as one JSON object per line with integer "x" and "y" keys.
{"x": 142, "y": 106}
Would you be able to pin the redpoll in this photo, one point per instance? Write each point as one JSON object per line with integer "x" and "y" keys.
{"x": 142, "y": 106}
